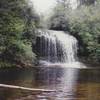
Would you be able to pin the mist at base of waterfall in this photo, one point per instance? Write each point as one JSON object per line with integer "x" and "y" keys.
{"x": 63, "y": 65}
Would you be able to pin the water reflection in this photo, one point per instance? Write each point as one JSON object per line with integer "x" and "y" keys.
{"x": 70, "y": 84}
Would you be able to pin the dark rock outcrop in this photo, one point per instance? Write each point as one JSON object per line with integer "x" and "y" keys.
{"x": 41, "y": 46}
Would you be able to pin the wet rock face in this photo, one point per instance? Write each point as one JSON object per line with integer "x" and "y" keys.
{"x": 44, "y": 47}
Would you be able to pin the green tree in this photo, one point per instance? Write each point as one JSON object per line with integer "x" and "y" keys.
{"x": 18, "y": 22}
{"x": 58, "y": 19}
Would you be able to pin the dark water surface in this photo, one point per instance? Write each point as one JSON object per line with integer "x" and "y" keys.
{"x": 86, "y": 83}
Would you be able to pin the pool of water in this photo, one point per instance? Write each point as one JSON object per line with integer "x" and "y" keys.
{"x": 67, "y": 83}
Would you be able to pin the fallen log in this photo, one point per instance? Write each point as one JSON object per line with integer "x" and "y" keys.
{"x": 25, "y": 88}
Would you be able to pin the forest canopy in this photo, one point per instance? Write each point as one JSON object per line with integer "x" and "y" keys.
{"x": 18, "y": 21}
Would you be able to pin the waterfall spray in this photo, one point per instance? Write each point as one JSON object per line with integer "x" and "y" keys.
{"x": 58, "y": 47}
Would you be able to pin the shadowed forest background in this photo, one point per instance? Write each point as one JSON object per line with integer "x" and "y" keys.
{"x": 19, "y": 23}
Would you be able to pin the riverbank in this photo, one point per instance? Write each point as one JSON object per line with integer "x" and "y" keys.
{"x": 19, "y": 65}
{"x": 22, "y": 60}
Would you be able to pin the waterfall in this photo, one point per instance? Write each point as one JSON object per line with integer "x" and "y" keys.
{"x": 57, "y": 47}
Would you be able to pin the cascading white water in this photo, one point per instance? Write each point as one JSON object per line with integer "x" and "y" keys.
{"x": 58, "y": 47}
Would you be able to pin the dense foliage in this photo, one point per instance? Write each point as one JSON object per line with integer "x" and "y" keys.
{"x": 84, "y": 24}
{"x": 17, "y": 24}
